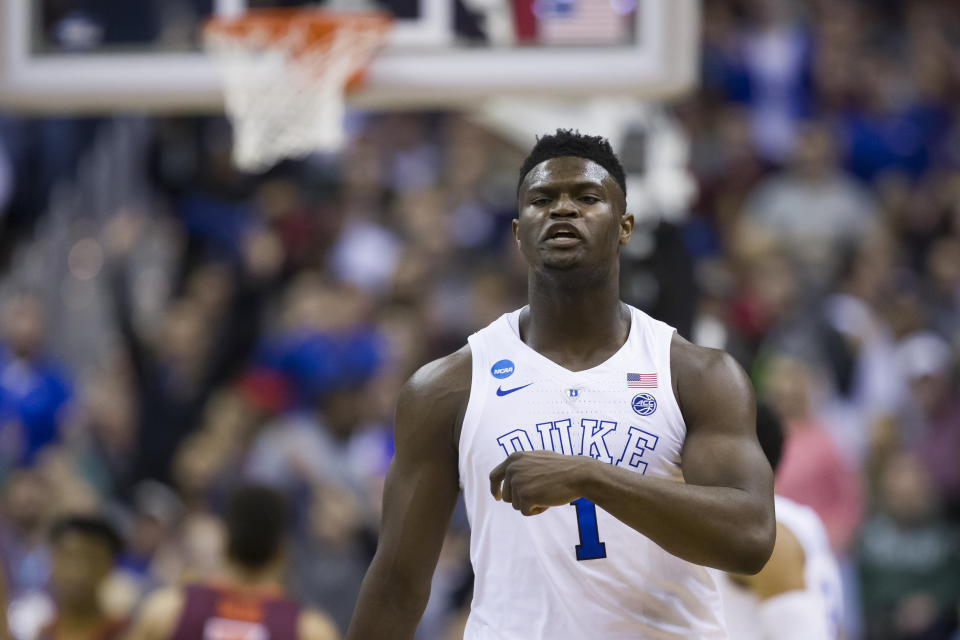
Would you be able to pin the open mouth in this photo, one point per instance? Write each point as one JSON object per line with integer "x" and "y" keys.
{"x": 563, "y": 234}
{"x": 563, "y": 239}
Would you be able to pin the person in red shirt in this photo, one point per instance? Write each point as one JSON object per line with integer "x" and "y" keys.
{"x": 813, "y": 471}
{"x": 83, "y": 552}
{"x": 247, "y": 602}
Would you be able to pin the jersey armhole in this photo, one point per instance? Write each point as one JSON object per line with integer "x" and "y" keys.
{"x": 475, "y": 404}
{"x": 676, "y": 414}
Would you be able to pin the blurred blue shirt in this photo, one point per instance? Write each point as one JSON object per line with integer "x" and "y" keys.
{"x": 321, "y": 362}
{"x": 33, "y": 396}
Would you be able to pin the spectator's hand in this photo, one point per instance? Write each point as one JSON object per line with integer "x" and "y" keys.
{"x": 123, "y": 232}
{"x": 335, "y": 514}
{"x": 263, "y": 254}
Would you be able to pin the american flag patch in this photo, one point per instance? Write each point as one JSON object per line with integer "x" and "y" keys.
{"x": 641, "y": 381}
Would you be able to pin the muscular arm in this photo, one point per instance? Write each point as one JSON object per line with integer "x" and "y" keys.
{"x": 721, "y": 517}
{"x": 419, "y": 496}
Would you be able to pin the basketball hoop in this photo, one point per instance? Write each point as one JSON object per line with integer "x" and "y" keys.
{"x": 284, "y": 77}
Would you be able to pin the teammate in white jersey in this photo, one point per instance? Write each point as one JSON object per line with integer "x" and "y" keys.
{"x": 605, "y": 462}
{"x": 798, "y": 595}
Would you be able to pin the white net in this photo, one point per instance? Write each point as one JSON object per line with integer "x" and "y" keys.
{"x": 284, "y": 80}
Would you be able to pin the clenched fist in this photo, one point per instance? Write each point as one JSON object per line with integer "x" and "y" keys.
{"x": 533, "y": 481}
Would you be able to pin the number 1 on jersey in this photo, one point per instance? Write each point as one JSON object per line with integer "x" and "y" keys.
{"x": 590, "y": 547}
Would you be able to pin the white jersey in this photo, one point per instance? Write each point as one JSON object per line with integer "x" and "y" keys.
{"x": 821, "y": 578}
{"x": 575, "y": 571}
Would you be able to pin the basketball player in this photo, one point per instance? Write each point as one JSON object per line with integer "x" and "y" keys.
{"x": 798, "y": 594}
{"x": 605, "y": 461}
{"x": 83, "y": 550}
{"x": 248, "y": 602}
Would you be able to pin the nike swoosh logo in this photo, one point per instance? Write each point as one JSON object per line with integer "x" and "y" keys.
{"x": 503, "y": 392}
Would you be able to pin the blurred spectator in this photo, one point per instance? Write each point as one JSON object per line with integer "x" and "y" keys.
{"x": 208, "y": 460}
{"x": 106, "y": 444}
{"x": 812, "y": 471}
{"x": 331, "y": 554}
{"x": 813, "y": 208}
{"x": 366, "y": 255}
{"x": 768, "y": 304}
{"x": 933, "y": 413}
{"x": 863, "y": 360}
{"x": 413, "y": 160}
{"x": 195, "y": 350}
{"x": 334, "y": 444}
{"x": 366, "y": 251}
{"x": 35, "y": 394}
{"x": 323, "y": 341}
{"x": 943, "y": 267}
{"x": 83, "y": 551}
{"x": 909, "y": 558}
{"x": 774, "y": 78}
{"x": 26, "y": 515}
{"x": 153, "y": 521}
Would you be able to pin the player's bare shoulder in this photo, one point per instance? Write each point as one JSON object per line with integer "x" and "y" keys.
{"x": 707, "y": 380}
{"x": 432, "y": 402}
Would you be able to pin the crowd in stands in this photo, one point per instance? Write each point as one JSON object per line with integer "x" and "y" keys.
{"x": 260, "y": 326}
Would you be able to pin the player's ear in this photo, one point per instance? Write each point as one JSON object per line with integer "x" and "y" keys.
{"x": 626, "y": 228}
{"x": 516, "y": 226}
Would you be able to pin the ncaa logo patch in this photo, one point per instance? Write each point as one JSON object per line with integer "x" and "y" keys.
{"x": 502, "y": 369}
{"x": 644, "y": 404}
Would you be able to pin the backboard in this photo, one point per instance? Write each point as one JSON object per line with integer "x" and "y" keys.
{"x": 114, "y": 55}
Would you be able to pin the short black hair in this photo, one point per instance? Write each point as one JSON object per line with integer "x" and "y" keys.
{"x": 567, "y": 142}
{"x": 92, "y": 526}
{"x": 770, "y": 435}
{"x": 256, "y": 522}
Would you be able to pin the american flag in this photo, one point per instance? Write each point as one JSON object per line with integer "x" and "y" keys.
{"x": 573, "y": 22}
{"x": 641, "y": 381}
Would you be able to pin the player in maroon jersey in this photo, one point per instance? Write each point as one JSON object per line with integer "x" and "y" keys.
{"x": 247, "y": 603}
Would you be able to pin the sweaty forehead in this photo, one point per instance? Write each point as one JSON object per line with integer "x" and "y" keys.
{"x": 567, "y": 169}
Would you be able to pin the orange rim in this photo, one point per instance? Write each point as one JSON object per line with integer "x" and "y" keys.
{"x": 316, "y": 23}
{"x": 262, "y": 27}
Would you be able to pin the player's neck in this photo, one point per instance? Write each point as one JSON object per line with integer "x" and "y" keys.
{"x": 79, "y": 617}
{"x": 242, "y": 577}
{"x": 575, "y": 320}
